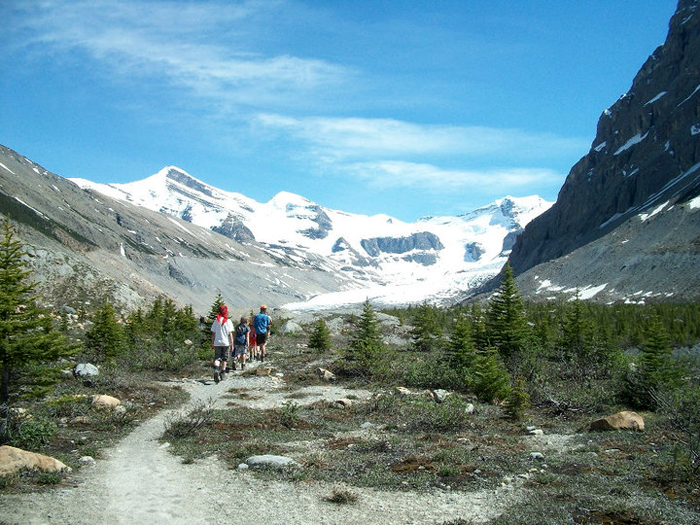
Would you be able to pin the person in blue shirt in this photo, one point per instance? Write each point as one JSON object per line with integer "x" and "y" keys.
{"x": 240, "y": 342}
{"x": 261, "y": 323}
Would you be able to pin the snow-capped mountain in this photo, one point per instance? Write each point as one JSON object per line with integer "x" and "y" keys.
{"x": 382, "y": 258}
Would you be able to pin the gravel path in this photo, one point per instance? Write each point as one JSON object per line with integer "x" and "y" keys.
{"x": 139, "y": 481}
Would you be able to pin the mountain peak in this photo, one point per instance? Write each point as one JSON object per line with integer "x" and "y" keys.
{"x": 180, "y": 176}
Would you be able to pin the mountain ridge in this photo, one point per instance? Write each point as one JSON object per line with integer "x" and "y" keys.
{"x": 646, "y": 152}
{"x": 173, "y": 234}
{"x": 380, "y": 249}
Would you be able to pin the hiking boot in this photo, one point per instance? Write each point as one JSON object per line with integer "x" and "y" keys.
{"x": 217, "y": 376}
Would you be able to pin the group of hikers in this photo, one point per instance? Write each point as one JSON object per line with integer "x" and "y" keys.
{"x": 235, "y": 342}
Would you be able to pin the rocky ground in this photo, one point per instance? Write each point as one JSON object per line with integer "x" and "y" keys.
{"x": 140, "y": 481}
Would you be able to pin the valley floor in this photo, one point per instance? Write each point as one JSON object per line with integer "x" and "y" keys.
{"x": 140, "y": 481}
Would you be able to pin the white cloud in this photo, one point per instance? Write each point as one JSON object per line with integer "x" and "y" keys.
{"x": 207, "y": 48}
{"x": 398, "y": 174}
{"x": 347, "y": 138}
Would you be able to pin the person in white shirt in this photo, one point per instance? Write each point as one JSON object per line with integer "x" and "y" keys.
{"x": 221, "y": 342}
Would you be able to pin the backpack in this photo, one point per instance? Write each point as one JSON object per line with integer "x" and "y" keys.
{"x": 241, "y": 330}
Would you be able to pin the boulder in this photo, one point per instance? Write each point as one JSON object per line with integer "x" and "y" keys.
{"x": 290, "y": 327}
{"x": 269, "y": 460}
{"x": 85, "y": 370}
{"x": 13, "y": 460}
{"x": 625, "y": 420}
{"x": 439, "y": 395}
{"x": 105, "y": 401}
{"x": 326, "y": 374}
{"x": 263, "y": 371}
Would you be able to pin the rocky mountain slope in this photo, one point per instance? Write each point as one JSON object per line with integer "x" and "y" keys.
{"x": 627, "y": 206}
{"x": 85, "y": 247}
{"x": 172, "y": 234}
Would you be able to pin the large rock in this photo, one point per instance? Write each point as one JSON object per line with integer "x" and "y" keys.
{"x": 85, "y": 370}
{"x": 625, "y": 420}
{"x": 13, "y": 460}
{"x": 105, "y": 401}
{"x": 290, "y": 327}
{"x": 269, "y": 460}
{"x": 326, "y": 374}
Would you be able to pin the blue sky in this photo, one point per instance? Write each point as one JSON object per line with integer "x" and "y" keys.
{"x": 411, "y": 108}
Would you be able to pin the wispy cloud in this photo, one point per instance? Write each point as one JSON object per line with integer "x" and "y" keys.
{"x": 347, "y": 138}
{"x": 400, "y": 174}
{"x": 174, "y": 42}
{"x": 390, "y": 154}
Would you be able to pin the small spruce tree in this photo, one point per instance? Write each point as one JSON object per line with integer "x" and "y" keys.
{"x": 218, "y": 301}
{"x": 426, "y": 332}
{"x": 506, "y": 326}
{"x": 577, "y": 331}
{"x": 518, "y": 401}
{"x": 320, "y": 339}
{"x": 491, "y": 379}
{"x": 461, "y": 352}
{"x": 366, "y": 344}
{"x": 106, "y": 339}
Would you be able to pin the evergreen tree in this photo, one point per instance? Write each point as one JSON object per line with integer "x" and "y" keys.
{"x": 105, "y": 339}
{"x": 656, "y": 362}
{"x": 577, "y": 331}
{"x": 27, "y": 337}
{"x": 427, "y": 330}
{"x": 491, "y": 379}
{"x": 656, "y": 373}
{"x": 461, "y": 352}
{"x": 366, "y": 344}
{"x": 478, "y": 325}
{"x": 218, "y": 301}
{"x": 320, "y": 339}
{"x": 518, "y": 401}
{"x": 506, "y": 326}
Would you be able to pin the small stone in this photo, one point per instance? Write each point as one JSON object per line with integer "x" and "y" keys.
{"x": 87, "y": 460}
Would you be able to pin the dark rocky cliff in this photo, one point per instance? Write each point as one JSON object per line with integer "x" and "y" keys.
{"x": 646, "y": 152}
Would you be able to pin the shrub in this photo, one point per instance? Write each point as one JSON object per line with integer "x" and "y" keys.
{"x": 182, "y": 426}
{"x": 29, "y": 433}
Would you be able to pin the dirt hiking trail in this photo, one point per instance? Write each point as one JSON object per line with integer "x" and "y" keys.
{"x": 140, "y": 482}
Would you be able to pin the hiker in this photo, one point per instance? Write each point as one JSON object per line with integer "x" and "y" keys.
{"x": 221, "y": 342}
{"x": 252, "y": 337}
{"x": 261, "y": 322}
{"x": 241, "y": 342}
